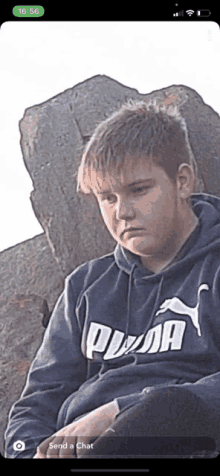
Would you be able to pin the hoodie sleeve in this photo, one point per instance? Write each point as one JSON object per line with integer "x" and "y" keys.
{"x": 58, "y": 370}
{"x": 207, "y": 389}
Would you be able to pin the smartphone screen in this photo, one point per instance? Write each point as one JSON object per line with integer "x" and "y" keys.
{"x": 71, "y": 346}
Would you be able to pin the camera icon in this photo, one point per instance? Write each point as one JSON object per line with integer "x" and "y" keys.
{"x": 19, "y": 445}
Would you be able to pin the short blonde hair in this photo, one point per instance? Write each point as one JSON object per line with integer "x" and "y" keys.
{"x": 155, "y": 130}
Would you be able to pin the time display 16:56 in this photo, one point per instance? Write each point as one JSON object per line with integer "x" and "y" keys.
{"x": 28, "y": 11}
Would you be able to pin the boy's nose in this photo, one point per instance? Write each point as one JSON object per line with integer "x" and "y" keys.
{"x": 125, "y": 211}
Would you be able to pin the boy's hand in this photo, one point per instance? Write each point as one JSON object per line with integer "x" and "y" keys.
{"x": 78, "y": 437}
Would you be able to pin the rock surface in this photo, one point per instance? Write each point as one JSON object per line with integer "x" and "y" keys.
{"x": 30, "y": 278}
{"x": 32, "y": 273}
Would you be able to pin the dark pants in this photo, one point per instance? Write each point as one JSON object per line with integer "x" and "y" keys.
{"x": 168, "y": 422}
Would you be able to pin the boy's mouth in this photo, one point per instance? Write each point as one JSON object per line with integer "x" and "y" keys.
{"x": 131, "y": 230}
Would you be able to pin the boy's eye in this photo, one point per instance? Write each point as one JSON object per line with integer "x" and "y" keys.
{"x": 112, "y": 198}
{"x": 140, "y": 189}
{"x": 109, "y": 198}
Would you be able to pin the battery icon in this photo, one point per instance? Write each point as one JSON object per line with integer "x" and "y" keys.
{"x": 203, "y": 13}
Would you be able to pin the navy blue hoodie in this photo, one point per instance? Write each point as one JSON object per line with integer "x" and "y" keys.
{"x": 119, "y": 330}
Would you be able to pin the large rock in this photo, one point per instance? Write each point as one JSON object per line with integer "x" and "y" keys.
{"x": 52, "y": 137}
{"x": 31, "y": 282}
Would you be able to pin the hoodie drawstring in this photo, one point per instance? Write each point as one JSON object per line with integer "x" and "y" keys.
{"x": 129, "y": 300}
{"x": 156, "y": 305}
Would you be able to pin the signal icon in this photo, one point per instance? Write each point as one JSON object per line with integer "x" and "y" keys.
{"x": 190, "y": 12}
{"x": 178, "y": 14}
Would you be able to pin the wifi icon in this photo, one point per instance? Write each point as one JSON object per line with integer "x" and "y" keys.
{"x": 190, "y": 12}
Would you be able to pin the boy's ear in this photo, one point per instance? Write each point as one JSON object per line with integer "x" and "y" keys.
{"x": 185, "y": 180}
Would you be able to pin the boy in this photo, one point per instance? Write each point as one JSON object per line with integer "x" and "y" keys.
{"x": 133, "y": 344}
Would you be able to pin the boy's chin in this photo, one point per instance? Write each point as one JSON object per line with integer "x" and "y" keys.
{"x": 141, "y": 249}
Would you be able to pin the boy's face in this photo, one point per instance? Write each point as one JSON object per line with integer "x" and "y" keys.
{"x": 143, "y": 197}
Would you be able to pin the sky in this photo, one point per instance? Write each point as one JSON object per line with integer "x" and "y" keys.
{"x": 42, "y": 59}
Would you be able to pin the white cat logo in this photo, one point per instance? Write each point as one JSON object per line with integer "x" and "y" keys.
{"x": 177, "y": 306}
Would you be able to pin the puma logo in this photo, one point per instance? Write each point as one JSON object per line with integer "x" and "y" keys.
{"x": 177, "y": 306}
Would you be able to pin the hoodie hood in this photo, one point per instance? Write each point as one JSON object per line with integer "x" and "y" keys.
{"x": 204, "y": 238}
